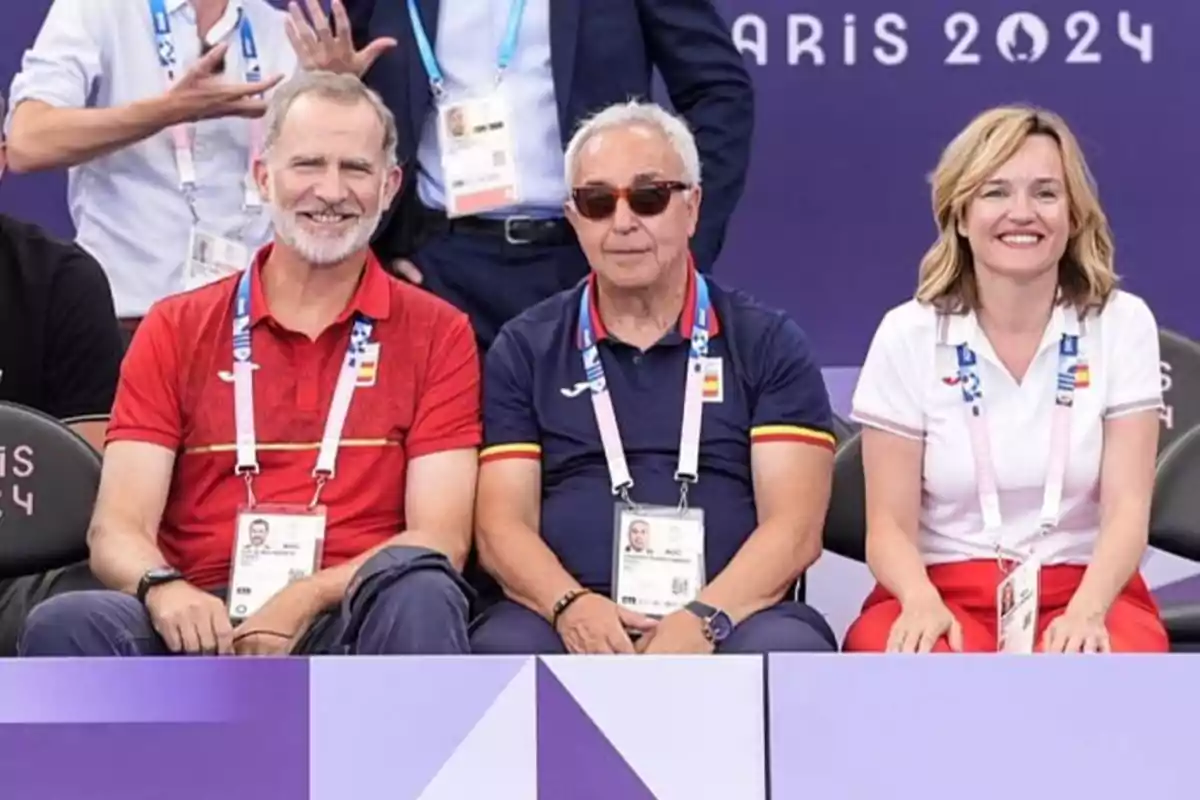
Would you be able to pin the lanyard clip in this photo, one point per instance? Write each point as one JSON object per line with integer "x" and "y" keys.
{"x": 248, "y": 476}
{"x": 322, "y": 478}
{"x": 623, "y": 492}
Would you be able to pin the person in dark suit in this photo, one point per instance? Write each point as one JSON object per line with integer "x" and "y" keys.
{"x": 568, "y": 59}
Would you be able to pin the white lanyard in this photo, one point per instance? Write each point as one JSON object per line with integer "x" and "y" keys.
{"x": 1070, "y": 357}
{"x": 687, "y": 470}
{"x": 243, "y": 394}
{"x": 181, "y": 135}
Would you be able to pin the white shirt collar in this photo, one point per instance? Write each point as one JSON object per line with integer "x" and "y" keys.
{"x": 223, "y": 27}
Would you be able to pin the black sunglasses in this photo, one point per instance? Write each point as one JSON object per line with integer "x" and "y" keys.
{"x": 645, "y": 199}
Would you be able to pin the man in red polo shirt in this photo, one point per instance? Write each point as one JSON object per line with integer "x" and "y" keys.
{"x": 291, "y": 460}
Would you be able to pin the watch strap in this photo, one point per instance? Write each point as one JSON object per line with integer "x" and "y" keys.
{"x": 707, "y": 614}
{"x": 156, "y": 577}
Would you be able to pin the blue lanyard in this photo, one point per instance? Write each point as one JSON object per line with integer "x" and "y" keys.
{"x": 971, "y": 384}
{"x": 606, "y": 422}
{"x": 507, "y": 48}
{"x": 243, "y": 389}
{"x": 165, "y": 42}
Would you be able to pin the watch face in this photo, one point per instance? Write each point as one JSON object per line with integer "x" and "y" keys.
{"x": 721, "y": 626}
{"x": 165, "y": 574}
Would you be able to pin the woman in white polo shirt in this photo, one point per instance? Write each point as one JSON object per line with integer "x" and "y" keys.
{"x": 1010, "y": 416}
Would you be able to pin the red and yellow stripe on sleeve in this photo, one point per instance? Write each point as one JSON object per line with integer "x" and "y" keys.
{"x": 499, "y": 452}
{"x": 792, "y": 433}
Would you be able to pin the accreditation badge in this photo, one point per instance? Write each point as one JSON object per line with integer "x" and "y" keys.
{"x": 1017, "y": 608}
{"x": 273, "y": 546}
{"x": 658, "y": 564}
{"x": 479, "y": 155}
{"x": 211, "y": 257}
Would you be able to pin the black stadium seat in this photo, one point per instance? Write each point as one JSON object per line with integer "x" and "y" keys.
{"x": 846, "y": 519}
{"x": 843, "y": 430}
{"x": 1175, "y": 527}
{"x": 48, "y": 482}
{"x": 1181, "y": 387}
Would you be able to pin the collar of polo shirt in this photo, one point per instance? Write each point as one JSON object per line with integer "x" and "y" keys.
{"x": 686, "y": 322}
{"x": 372, "y": 298}
{"x": 955, "y": 329}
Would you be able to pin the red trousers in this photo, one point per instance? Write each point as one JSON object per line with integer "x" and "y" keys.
{"x": 969, "y": 591}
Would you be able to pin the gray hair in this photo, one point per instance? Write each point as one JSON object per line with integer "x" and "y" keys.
{"x": 633, "y": 114}
{"x": 342, "y": 89}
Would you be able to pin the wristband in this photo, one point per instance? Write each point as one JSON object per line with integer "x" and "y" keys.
{"x": 564, "y": 603}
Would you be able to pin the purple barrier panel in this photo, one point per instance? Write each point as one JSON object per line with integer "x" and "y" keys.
{"x": 561, "y": 728}
{"x": 429, "y": 728}
{"x": 982, "y": 727}
{"x": 187, "y": 729}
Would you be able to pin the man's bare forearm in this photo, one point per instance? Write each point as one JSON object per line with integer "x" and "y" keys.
{"x": 764, "y": 569}
{"x": 526, "y": 569}
{"x": 45, "y": 137}
{"x": 121, "y": 555}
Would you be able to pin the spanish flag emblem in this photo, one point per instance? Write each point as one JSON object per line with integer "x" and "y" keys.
{"x": 714, "y": 389}
{"x": 1083, "y": 375}
{"x": 368, "y": 365}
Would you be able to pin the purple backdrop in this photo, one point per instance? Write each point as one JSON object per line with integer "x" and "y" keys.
{"x": 837, "y": 200}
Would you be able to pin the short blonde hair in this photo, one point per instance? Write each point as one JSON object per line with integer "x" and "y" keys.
{"x": 1086, "y": 275}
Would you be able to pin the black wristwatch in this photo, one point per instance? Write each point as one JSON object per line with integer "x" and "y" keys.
{"x": 717, "y": 624}
{"x": 156, "y": 577}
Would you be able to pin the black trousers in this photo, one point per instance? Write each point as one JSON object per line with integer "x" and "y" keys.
{"x": 18, "y": 596}
{"x": 493, "y": 281}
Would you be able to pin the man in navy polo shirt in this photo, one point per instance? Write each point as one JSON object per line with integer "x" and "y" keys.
{"x": 658, "y": 449}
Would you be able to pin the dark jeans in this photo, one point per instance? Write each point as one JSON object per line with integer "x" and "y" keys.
{"x": 507, "y": 628}
{"x": 424, "y": 612}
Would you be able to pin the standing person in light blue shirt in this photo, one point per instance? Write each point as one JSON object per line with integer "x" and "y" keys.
{"x": 152, "y": 106}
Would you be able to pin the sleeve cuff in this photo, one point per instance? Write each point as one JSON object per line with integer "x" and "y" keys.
{"x": 1133, "y": 407}
{"x": 885, "y": 424}
{"x": 142, "y": 435}
{"x": 793, "y": 433}
{"x": 462, "y": 441}
{"x": 501, "y": 452}
{"x": 75, "y": 419}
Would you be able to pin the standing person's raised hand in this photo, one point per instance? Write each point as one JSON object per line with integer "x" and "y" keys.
{"x": 319, "y": 47}
{"x": 201, "y": 94}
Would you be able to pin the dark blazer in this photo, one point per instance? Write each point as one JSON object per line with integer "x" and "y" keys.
{"x": 602, "y": 52}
